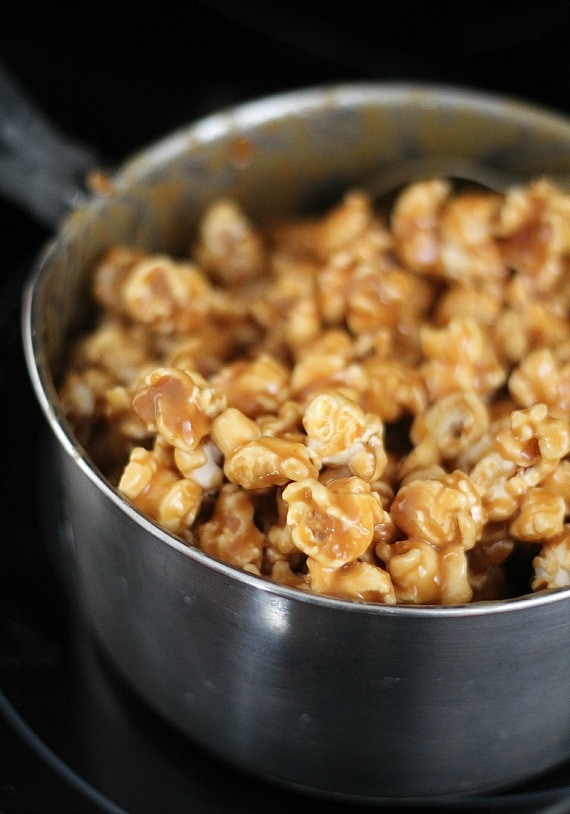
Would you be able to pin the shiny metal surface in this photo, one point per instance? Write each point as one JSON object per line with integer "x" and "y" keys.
{"x": 344, "y": 699}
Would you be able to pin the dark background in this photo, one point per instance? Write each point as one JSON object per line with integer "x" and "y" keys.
{"x": 118, "y": 75}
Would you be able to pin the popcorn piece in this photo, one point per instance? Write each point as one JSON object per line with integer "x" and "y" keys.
{"x": 534, "y": 438}
{"x": 203, "y": 464}
{"x": 333, "y": 284}
{"x": 279, "y": 536}
{"x": 344, "y": 224}
{"x": 83, "y": 394}
{"x": 255, "y": 461}
{"x": 167, "y": 295}
{"x": 385, "y": 298}
{"x": 469, "y": 251}
{"x": 107, "y": 365}
{"x": 393, "y": 389}
{"x": 361, "y": 581}
{"x": 421, "y": 462}
{"x": 119, "y": 412}
{"x": 159, "y": 492}
{"x": 208, "y": 345}
{"x": 552, "y": 563}
{"x": 527, "y": 449}
{"x": 415, "y": 224}
{"x": 557, "y": 482}
{"x": 541, "y": 516}
{"x": 231, "y": 534}
{"x": 282, "y": 559}
{"x": 229, "y": 246}
{"x": 333, "y": 524}
{"x": 486, "y": 561}
{"x": 179, "y": 405}
{"x": 443, "y": 510}
{"x": 426, "y": 574}
{"x": 529, "y": 321}
{"x": 490, "y": 475}
{"x": 460, "y": 356}
{"x": 302, "y": 323}
{"x": 285, "y": 423}
{"x": 119, "y": 350}
{"x": 350, "y": 229}
{"x": 283, "y": 574}
{"x": 543, "y": 376}
{"x": 110, "y": 274}
{"x": 339, "y": 432}
{"x": 268, "y": 461}
{"x": 254, "y": 387}
{"x": 321, "y": 371}
{"x": 326, "y": 362}
{"x": 447, "y": 237}
{"x": 230, "y": 429}
{"x": 483, "y": 304}
{"x": 535, "y": 231}
{"x": 454, "y": 423}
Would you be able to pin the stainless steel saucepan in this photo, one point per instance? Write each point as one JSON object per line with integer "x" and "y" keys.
{"x": 361, "y": 701}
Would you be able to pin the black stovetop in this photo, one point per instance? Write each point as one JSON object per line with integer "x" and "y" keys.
{"x": 73, "y": 737}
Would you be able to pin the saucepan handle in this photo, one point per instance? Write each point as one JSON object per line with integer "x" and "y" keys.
{"x": 41, "y": 170}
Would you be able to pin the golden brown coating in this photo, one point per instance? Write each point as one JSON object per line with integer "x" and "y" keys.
{"x": 368, "y": 408}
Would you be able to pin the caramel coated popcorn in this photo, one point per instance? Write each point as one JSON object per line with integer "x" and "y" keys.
{"x": 371, "y": 407}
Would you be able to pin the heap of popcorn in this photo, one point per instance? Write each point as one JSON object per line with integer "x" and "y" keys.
{"x": 372, "y": 407}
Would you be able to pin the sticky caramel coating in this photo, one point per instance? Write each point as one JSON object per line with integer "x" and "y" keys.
{"x": 340, "y": 432}
{"x": 540, "y": 516}
{"x": 203, "y": 464}
{"x": 443, "y": 510}
{"x": 229, "y": 246}
{"x": 267, "y": 461}
{"x": 543, "y": 376}
{"x": 231, "y": 534}
{"x": 552, "y": 564}
{"x": 393, "y": 389}
{"x": 469, "y": 251}
{"x": 527, "y": 447}
{"x": 460, "y": 356}
{"x": 332, "y": 524}
{"x": 486, "y": 562}
{"x": 534, "y": 438}
{"x": 557, "y": 482}
{"x": 415, "y": 225}
{"x": 178, "y": 405}
{"x": 257, "y": 461}
{"x": 356, "y": 580}
{"x": 255, "y": 387}
{"x": 534, "y": 226}
{"x": 168, "y": 295}
{"x": 426, "y": 574}
{"x": 530, "y": 320}
{"x": 373, "y": 407}
{"x": 153, "y": 484}
{"x": 453, "y": 424}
